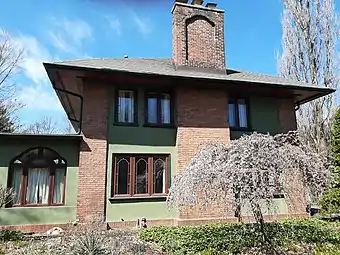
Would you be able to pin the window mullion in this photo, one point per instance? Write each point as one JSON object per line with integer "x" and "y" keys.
{"x": 132, "y": 167}
{"x": 237, "y": 119}
{"x": 150, "y": 175}
{"x": 114, "y": 177}
{"x": 52, "y": 184}
{"x": 24, "y": 186}
{"x": 166, "y": 175}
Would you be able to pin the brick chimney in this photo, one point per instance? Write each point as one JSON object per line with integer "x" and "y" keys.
{"x": 198, "y": 35}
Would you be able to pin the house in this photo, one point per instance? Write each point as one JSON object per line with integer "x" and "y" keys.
{"x": 139, "y": 121}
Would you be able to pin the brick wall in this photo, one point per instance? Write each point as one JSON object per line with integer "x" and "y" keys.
{"x": 198, "y": 36}
{"x": 286, "y": 115}
{"x": 200, "y": 221}
{"x": 287, "y": 119}
{"x": 201, "y": 118}
{"x": 35, "y": 228}
{"x": 296, "y": 199}
{"x": 92, "y": 169}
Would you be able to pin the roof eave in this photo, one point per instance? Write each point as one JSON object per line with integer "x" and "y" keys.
{"x": 320, "y": 91}
{"x": 42, "y": 136}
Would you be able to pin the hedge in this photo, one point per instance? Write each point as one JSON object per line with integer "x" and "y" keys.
{"x": 235, "y": 237}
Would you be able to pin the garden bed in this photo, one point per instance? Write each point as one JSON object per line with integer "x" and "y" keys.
{"x": 78, "y": 243}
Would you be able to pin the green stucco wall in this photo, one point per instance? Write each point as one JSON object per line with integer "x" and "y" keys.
{"x": 263, "y": 116}
{"x": 263, "y": 119}
{"x": 10, "y": 148}
{"x": 278, "y": 206}
{"x": 134, "y": 140}
{"x": 148, "y": 140}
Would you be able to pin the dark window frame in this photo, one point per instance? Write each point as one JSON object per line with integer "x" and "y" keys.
{"x": 135, "y": 106}
{"x": 158, "y": 94}
{"x": 234, "y": 100}
{"x": 28, "y": 164}
{"x": 132, "y": 161}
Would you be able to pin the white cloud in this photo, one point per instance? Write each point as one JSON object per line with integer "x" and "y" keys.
{"x": 68, "y": 35}
{"x": 34, "y": 54}
{"x": 37, "y": 97}
{"x": 143, "y": 24}
{"x": 115, "y": 25}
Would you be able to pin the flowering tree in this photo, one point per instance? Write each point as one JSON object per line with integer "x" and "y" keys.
{"x": 252, "y": 169}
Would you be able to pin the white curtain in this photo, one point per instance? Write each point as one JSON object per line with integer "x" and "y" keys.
{"x": 126, "y": 106}
{"x": 242, "y": 113}
{"x": 165, "y": 109}
{"x": 59, "y": 186}
{"x": 37, "y": 186}
{"x": 152, "y": 110}
{"x": 16, "y": 184}
{"x": 232, "y": 116}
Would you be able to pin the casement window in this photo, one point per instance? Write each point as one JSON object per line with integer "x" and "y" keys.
{"x": 38, "y": 178}
{"x": 140, "y": 175}
{"x": 126, "y": 107}
{"x": 238, "y": 112}
{"x": 159, "y": 108}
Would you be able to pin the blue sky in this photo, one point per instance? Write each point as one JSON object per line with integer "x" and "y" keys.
{"x": 74, "y": 29}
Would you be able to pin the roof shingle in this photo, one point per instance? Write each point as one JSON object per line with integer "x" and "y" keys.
{"x": 165, "y": 66}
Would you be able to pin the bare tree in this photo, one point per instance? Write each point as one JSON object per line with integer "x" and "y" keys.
{"x": 251, "y": 171}
{"x": 10, "y": 59}
{"x": 309, "y": 54}
{"x": 47, "y": 125}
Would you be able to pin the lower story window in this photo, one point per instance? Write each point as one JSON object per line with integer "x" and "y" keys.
{"x": 38, "y": 186}
{"x": 38, "y": 178}
{"x": 140, "y": 175}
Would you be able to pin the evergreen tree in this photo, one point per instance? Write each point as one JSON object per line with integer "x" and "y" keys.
{"x": 6, "y": 124}
{"x": 330, "y": 202}
{"x": 336, "y": 149}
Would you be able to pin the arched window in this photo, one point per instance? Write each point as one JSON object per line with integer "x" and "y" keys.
{"x": 38, "y": 178}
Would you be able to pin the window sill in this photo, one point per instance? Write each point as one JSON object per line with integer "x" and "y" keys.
{"x": 125, "y": 124}
{"x": 35, "y": 205}
{"x": 137, "y": 199}
{"x": 159, "y": 125}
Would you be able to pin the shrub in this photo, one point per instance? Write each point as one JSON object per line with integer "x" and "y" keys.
{"x": 330, "y": 202}
{"x": 236, "y": 237}
{"x": 10, "y": 235}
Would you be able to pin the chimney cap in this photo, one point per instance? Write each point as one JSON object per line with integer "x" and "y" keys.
{"x": 126, "y": 56}
{"x": 197, "y": 2}
{"x": 211, "y": 5}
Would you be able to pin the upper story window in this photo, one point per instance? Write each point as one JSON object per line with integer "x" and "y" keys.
{"x": 158, "y": 108}
{"x": 126, "y": 111}
{"x": 140, "y": 175}
{"x": 38, "y": 178}
{"x": 238, "y": 113}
